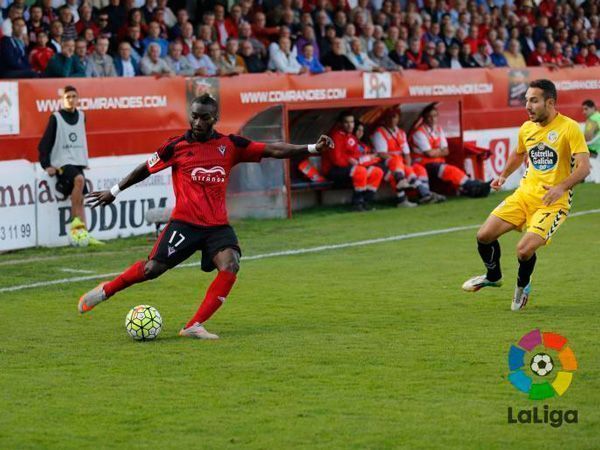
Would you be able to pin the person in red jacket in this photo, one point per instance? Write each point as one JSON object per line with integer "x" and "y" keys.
{"x": 41, "y": 53}
{"x": 345, "y": 163}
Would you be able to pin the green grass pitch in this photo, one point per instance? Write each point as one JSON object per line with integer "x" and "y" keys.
{"x": 373, "y": 346}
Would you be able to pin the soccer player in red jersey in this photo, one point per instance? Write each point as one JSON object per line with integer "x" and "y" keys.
{"x": 201, "y": 161}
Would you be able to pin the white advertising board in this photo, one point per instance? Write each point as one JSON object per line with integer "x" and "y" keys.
{"x": 17, "y": 205}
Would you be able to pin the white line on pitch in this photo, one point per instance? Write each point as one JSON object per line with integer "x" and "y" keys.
{"x": 299, "y": 251}
{"x": 66, "y": 269}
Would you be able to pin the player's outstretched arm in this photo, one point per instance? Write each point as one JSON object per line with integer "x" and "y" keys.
{"x": 281, "y": 150}
{"x": 513, "y": 163}
{"x": 102, "y": 198}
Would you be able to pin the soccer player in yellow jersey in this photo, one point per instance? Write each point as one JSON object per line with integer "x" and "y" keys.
{"x": 558, "y": 159}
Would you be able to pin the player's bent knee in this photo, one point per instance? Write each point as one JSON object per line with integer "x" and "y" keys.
{"x": 485, "y": 236}
{"x": 230, "y": 266}
{"x": 154, "y": 269}
{"x": 525, "y": 251}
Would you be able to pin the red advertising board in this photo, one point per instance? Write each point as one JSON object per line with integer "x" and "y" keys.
{"x": 126, "y": 116}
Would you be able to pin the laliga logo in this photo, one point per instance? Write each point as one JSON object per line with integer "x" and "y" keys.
{"x": 213, "y": 175}
{"x": 536, "y": 356}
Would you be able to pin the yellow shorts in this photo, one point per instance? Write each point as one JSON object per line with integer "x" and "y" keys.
{"x": 529, "y": 213}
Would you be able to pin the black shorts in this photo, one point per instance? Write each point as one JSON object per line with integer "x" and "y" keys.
{"x": 65, "y": 179}
{"x": 180, "y": 240}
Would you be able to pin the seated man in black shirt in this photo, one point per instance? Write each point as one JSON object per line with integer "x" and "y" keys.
{"x": 336, "y": 59}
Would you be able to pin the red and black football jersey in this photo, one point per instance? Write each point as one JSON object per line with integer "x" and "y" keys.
{"x": 201, "y": 172}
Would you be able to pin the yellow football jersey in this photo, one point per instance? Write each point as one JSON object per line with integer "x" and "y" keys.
{"x": 550, "y": 151}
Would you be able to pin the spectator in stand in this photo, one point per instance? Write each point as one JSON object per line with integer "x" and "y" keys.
{"x": 393, "y": 34}
{"x": 186, "y": 39}
{"x": 234, "y": 20}
{"x": 474, "y": 40}
{"x": 15, "y": 11}
{"x": 414, "y": 55}
{"x": 398, "y": 55}
{"x": 261, "y": 31}
{"x": 441, "y": 54}
{"x": 513, "y": 55}
{"x": 81, "y": 53}
{"x": 126, "y": 65}
{"x": 100, "y": 59}
{"x": 449, "y": 36}
{"x": 497, "y": 56}
{"x": 360, "y": 59}
{"x": 56, "y": 36}
{"x": 41, "y": 53}
{"x": 224, "y": 29}
{"x": 49, "y": 14}
{"x": 466, "y": 59}
{"x": 557, "y": 58}
{"x": 88, "y": 36}
{"x": 169, "y": 17}
{"x": 154, "y": 38}
{"x": 35, "y": 25}
{"x": 86, "y": 20}
{"x": 326, "y": 44}
{"x": 214, "y": 51}
{"x": 200, "y": 61}
{"x": 175, "y": 30}
{"x": 366, "y": 37}
{"x": 205, "y": 34}
{"x": 245, "y": 32}
{"x": 430, "y": 56}
{"x": 116, "y": 17}
{"x": 66, "y": 18}
{"x": 153, "y": 64}
{"x": 527, "y": 42}
{"x": 137, "y": 46}
{"x": 539, "y": 57}
{"x": 348, "y": 37}
{"x": 65, "y": 64}
{"x": 159, "y": 18}
{"x": 148, "y": 10}
{"x": 177, "y": 62}
{"x": 454, "y": 57}
{"x": 73, "y": 6}
{"x": 135, "y": 18}
{"x": 284, "y": 60}
{"x": 104, "y": 26}
{"x": 231, "y": 63}
{"x": 308, "y": 59}
{"x": 482, "y": 58}
{"x": 380, "y": 57}
{"x": 592, "y": 59}
{"x": 253, "y": 62}
{"x": 308, "y": 37}
{"x": 336, "y": 59}
{"x": 13, "y": 58}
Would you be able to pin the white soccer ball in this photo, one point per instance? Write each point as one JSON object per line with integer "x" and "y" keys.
{"x": 79, "y": 237}
{"x": 143, "y": 323}
{"x": 542, "y": 364}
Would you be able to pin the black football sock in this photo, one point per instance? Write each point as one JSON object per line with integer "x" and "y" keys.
{"x": 490, "y": 255}
{"x": 525, "y": 271}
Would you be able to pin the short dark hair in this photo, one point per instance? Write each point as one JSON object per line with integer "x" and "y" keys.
{"x": 69, "y": 88}
{"x": 206, "y": 99}
{"x": 589, "y": 103}
{"x": 548, "y": 88}
{"x": 344, "y": 114}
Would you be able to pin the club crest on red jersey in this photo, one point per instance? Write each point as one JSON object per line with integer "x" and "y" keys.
{"x": 222, "y": 149}
{"x": 215, "y": 174}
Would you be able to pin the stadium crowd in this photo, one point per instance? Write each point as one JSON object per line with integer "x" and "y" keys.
{"x": 98, "y": 38}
